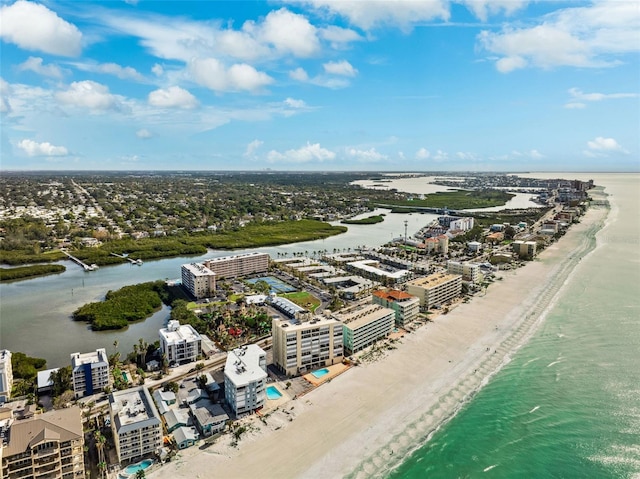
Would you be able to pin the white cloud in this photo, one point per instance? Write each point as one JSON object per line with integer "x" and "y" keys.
{"x": 309, "y": 152}
{"x": 252, "y": 147}
{"x": 124, "y": 73}
{"x": 578, "y": 97}
{"x": 172, "y": 97}
{"x": 33, "y": 148}
{"x": 299, "y": 74}
{"x": 293, "y": 103}
{"x": 441, "y": 156}
{"x": 88, "y": 94}
{"x": 35, "y": 65}
{"x": 213, "y": 74}
{"x": 370, "y": 155}
{"x": 422, "y": 154}
{"x": 536, "y": 155}
{"x": 483, "y": 8}
{"x": 590, "y": 36}
{"x": 144, "y": 134}
{"x": 32, "y": 26}
{"x": 343, "y": 68}
{"x": 339, "y": 37}
{"x": 5, "y": 89}
{"x": 466, "y": 156}
{"x": 601, "y": 144}
{"x": 375, "y": 13}
{"x": 157, "y": 70}
{"x": 288, "y": 32}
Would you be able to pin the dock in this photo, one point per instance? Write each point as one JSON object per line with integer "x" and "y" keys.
{"x": 132, "y": 261}
{"x": 86, "y": 267}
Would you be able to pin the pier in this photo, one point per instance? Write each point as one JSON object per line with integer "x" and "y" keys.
{"x": 132, "y": 261}
{"x": 86, "y": 267}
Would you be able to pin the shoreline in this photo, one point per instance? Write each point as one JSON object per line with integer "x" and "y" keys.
{"x": 366, "y": 422}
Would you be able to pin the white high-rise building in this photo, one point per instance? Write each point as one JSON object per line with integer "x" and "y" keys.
{"x": 238, "y": 265}
{"x": 468, "y": 271}
{"x": 199, "y": 280}
{"x": 302, "y": 346}
{"x": 6, "y": 375}
{"x": 364, "y": 325}
{"x": 135, "y": 422}
{"x": 180, "y": 343}
{"x": 90, "y": 372}
{"x": 435, "y": 289}
{"x": 245, "y": 379}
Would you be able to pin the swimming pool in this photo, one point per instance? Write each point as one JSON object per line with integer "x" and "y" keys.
{"x": 320, "y": 372}
{"x": 138, "y": 466}
{"x": 273, "y": 393}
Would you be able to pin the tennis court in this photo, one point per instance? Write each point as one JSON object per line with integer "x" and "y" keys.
{"x": 277, "y": 286}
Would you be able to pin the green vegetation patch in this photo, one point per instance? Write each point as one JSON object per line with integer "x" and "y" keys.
{"x": 455, "y": 200}
{"x": 24, "y": 272}
{"x": 303, "y": 299}
{"x": 26, "y": 367}
{"x": 370, "y": 220}
{"x": 270, "y": 234}
{"x": 131, "y": 303}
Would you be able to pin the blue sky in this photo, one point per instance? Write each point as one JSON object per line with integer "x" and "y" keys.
{"x": 492, "y": 85}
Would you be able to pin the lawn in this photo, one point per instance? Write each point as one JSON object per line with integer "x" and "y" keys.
{"x": 303, "y": 299}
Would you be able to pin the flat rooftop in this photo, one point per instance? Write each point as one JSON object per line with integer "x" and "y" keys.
{"x": 184, "y": 332}
{"x": 243, "y": 364}
{"x": 198, "y": 269}
{"x": 316, "y": 321}
{"x": 97, "y": 356}
{"x": 363, "y": 315}
{"x": 132, "y": 406}
{"x": 434, "y": 280}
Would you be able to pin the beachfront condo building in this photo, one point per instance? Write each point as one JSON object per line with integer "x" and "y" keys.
{"x": 245, "y": 379}
{"x": 303, "y": 346}
{"x": 180, "y": 343}
{"x": 435, "y": 289}
{"x": 238, "y": 265}
{"x": 135, "y": 423}
{"x": 406, "y": 307}
{"x": 363, "y": 325}
{"x": 6, "y": 375}
{"x": 524, "y": 249}
{"x": 49, "y": 445}
{"x": 90, "y": 372}
{"x": 198, "y": 280}
{"x": 469, "y": 271}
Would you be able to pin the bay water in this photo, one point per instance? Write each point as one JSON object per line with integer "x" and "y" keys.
{"x": 568, "y": 403}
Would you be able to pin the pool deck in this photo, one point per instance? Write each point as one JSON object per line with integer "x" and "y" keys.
{"x": 334, "y": 371}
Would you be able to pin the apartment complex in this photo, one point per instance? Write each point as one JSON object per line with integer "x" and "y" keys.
{"x": 239, "y": 265}
{"x": 437, "y": 244}
{"x": 245, "y": 378}
{"x": 302, "y": 346}
{"x": 90, "y": 372}
{"x": 469, "y": 271}
{"x": 406, "y": 307}
{"x": 6, "y": 375}
{"x": 180, "y": 343}
{"x": 435, "y": 289}
{"x": 364, "y": 325}
{"x": 49, "y": 445}
{"x": 524, "y": 249}
{"x": 199, "y": 280}
{"x": 136, "y": 424}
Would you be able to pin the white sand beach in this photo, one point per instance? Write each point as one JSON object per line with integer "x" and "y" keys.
{"x": 366, "y": 420}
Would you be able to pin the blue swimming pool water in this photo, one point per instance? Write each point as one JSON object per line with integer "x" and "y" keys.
{"x": 133, "y": 468}
{"x": 320, "y": 372}
{"x": 273, "y": 393}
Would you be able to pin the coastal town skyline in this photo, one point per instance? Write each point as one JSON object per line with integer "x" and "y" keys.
{"x": 319, "y": 85}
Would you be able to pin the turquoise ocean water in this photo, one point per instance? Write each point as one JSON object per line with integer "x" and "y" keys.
{"x": 568, "y": 403}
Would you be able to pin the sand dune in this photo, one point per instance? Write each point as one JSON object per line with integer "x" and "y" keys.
{"x": 365, "y": 421}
